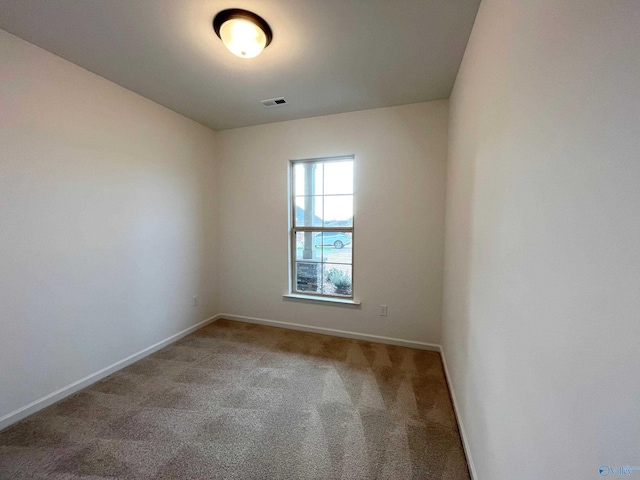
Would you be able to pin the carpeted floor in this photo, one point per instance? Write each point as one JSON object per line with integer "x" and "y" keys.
{"x": 241, "y": 401}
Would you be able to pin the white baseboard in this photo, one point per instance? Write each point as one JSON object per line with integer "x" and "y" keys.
{"x": 331, "y": 331}
{"x": 63, "y": 392}
{"x": 463, "y": 435}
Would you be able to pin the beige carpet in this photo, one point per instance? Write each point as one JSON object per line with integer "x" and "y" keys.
{"x": 241, "y": 401}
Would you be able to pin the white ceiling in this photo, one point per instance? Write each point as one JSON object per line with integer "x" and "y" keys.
{"x": 327, "y": 56}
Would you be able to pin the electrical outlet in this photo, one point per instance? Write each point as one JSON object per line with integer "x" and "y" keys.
{"x": 383, "y": 310}
{"x": 195, "y": 301}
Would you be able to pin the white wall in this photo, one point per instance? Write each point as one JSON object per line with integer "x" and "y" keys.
{"x": 542, "y": 288}
{"x": 106, "y": 223}
{"x": 399, "y": 218}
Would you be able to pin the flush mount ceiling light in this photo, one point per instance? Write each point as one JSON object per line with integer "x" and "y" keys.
{"x": 244, "y": 33}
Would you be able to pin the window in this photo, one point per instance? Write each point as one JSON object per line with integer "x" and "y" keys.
{"x": 321, "y": 230}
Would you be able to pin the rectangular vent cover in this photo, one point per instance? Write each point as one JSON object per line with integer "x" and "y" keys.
{"x": 274, "y": 102}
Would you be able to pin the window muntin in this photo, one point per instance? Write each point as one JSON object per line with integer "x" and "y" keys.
{"x": 321, "y": 230}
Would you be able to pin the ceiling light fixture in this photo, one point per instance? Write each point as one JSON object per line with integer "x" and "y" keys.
{"x": 244, "y": 33}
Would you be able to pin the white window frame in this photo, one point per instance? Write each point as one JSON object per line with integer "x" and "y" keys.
{"x": 293, "y": 230}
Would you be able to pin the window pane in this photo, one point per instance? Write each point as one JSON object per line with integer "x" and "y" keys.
{"x": 338, "y": 211}
{"x": 337, "y": 279}
{"x": 323, "y": 198}
{"x": 308, "y": 178}
{"x": 308, "y": 277}
{"x": 309, "y": 246}
{"x": 308, "y": 211}
{"x": 336, "y": 247}
{"x": 338, "y": 177}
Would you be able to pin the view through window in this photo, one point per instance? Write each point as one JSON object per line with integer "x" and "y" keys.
{"x": 322, "y": 227}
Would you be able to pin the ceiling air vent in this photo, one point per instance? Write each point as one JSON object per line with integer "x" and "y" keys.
{"x": 274, "y": 102}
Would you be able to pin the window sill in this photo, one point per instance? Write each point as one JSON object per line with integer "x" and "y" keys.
{"x": 313, "y": 298}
